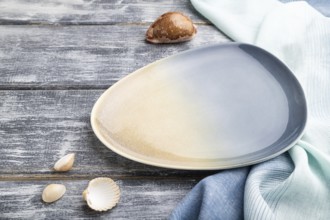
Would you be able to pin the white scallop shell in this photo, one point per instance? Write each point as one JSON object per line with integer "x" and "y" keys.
{"x": 102, "y": 194}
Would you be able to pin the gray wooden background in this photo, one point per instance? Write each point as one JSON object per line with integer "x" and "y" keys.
{"x": 56, "y": 59}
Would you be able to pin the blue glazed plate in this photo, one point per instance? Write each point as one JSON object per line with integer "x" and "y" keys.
{"x": 214, "y": 107}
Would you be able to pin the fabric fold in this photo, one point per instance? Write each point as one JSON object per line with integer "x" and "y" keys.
{"x": 245, "y": 16}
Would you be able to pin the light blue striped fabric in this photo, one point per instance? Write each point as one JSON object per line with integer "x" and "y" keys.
{"x": 295, "y": 185}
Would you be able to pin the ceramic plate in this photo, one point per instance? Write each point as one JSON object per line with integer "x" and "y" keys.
{"x": 215, "y": 107}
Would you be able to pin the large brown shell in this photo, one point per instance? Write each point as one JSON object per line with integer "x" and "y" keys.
{"x": 171, "y": 27}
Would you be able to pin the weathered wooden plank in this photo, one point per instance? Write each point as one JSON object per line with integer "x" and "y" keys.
{"x": 140, "y": 199}
{"x": 54, "y": 57}
{"x": 90, "y": 12}
{"x": 40, "y": 126}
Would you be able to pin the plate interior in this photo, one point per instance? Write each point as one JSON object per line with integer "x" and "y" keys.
{"x": 214, "y": 107}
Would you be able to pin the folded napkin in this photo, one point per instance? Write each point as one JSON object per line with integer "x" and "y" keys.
{"x": 294, "y": 185}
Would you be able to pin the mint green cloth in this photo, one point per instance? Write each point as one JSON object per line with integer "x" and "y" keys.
{"x": 299, "y": 36}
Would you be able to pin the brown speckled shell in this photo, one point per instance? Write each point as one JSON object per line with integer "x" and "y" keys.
{"x": 171, "y": 27}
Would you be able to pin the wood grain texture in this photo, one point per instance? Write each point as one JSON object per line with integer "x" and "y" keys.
{"x": 39, "y": 127}
{"x": 90, "y": 12}
{"x": 56, "y": 59}
{"x": 66, "y": 57}
{"x": 140, "y": 199}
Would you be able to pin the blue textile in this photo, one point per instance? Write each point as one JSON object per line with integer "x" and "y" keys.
{"x": 204, "y": 202}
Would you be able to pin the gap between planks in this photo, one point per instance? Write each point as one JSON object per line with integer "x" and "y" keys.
{"x": 55, "y": 87}
{"x": 38, "y": 23}
{"x": 89, "y": 177}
